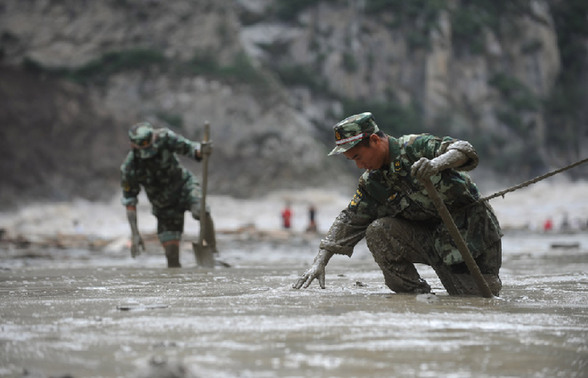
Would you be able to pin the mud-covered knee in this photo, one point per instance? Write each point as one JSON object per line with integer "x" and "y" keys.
{"x": 382, "y": 241}
{"x": 375, "y": 231}
{"x": 380, "y": 230}
{"x": 377, "y": 239}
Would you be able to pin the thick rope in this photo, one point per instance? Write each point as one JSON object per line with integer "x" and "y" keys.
{"x": 532, "y": 181}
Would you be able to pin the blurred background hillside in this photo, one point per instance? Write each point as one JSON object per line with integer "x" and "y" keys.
{"x": 273, "y": 76}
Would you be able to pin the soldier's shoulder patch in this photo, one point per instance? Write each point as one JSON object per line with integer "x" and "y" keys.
{"x": 355, "y": 200}
{"x": 397, "y": 166}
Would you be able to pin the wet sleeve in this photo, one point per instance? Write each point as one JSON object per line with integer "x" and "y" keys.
{"x": 467, "y": 149}
{"x": 350, "y": 225}
{"x": 430, "y": 146}
{"x": 345, "y": 232}
{"x": 130, "y": 186}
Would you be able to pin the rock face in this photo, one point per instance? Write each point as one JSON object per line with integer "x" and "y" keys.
{"x": 462, "y": 91}
{"x": 270, "y": 76}
{"x": 260, "y": 142}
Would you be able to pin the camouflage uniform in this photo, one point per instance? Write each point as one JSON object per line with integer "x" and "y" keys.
{"x": 401, "y": 225}
{"x": 171, "y": 189}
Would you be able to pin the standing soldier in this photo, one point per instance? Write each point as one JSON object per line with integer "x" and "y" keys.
{"x": 393, "y": 211}
{"x": 171, "y": 189}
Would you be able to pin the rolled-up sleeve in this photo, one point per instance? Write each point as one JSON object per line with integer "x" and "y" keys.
{"x": 467, "y": 149}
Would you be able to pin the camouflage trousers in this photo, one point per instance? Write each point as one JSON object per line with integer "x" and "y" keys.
{"x": 397, "y": 244}
{"x": 170, "y": 219}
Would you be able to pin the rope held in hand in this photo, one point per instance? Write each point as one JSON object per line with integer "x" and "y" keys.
{"x": 532, "y": 181}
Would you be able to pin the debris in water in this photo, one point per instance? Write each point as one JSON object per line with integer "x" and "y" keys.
{"x": 137, "y": 306}
{"x": 160, "y": 367}
{"x": 427, "y": 298}
{"x": 563, "y": 245}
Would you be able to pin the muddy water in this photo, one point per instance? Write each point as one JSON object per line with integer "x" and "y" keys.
{"x": 90, "y": 314}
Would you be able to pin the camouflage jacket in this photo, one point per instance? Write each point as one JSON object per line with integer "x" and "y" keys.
{"x": 162, "y": 176}
{"x": 392, "y": 192}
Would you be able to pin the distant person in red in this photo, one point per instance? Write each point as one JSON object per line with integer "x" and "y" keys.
{"x": 287, "y": 216}
{"x": 548, "y": 225}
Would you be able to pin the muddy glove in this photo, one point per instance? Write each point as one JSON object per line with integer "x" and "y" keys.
{"x": 425, "y": 168}
{"x": 317, "y": 270}
{"x": 205, "y": 150}
{"x": 136, "y": 239}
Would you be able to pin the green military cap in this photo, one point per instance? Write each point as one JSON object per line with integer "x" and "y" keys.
{"x": 141, "y": 136}
{"x": 353, "y": 130}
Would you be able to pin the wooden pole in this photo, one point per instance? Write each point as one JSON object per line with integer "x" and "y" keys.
{"x": 204, "y": 256}
{"x": 458, "y": 239}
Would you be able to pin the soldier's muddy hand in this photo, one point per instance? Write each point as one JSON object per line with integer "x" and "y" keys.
{"x": 314, "y": 272}
{"x": 205, "y": 148}
{"x": 317, "y": 270}
{"x": 424, "y": 168}
{"x": 136, "y": 242}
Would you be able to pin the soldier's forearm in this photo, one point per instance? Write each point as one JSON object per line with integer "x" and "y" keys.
{"x": 450, "y": 159}
{"x": 345, "y": 232}
{"x": 132, "y": 218}
{"x": 323, "y": 257}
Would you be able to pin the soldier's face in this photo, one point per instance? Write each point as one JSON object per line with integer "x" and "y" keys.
{"x": 144, "y": 148}
{"x": 372, "y": 156}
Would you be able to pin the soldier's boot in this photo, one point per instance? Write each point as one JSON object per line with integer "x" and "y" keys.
{"x": 402, "y": 277}
{"x": 458, "y": 281}
{"x": 468, "y": 285}
{"x": 464, "y": 284}
{"x": 172, "y": 253}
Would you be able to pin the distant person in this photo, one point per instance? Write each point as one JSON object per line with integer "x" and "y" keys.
{"x": 399, "y": 221}
{"x": 78, "y": 228}
{"x": 311, "y": 219}
{"x": 565, "y": 224}
{"x": 548, "y": 225}
{"x": 287, "y": 217}
{"x": 171, "y": 189}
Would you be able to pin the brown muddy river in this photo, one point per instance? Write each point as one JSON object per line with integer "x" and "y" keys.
{"x": 102, "y": 314}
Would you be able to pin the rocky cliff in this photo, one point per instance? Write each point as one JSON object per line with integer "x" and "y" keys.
{"x": 272, "y": 77}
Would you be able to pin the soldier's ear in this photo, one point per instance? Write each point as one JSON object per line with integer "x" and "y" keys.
{"x": 374, "y": 138}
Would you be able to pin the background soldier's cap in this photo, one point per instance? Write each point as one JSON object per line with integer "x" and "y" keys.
{"x": 140, "y": 133}
{"x": 353, "y": 130}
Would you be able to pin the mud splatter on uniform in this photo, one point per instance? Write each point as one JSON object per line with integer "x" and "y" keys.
{"x": 390, "y": 198}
